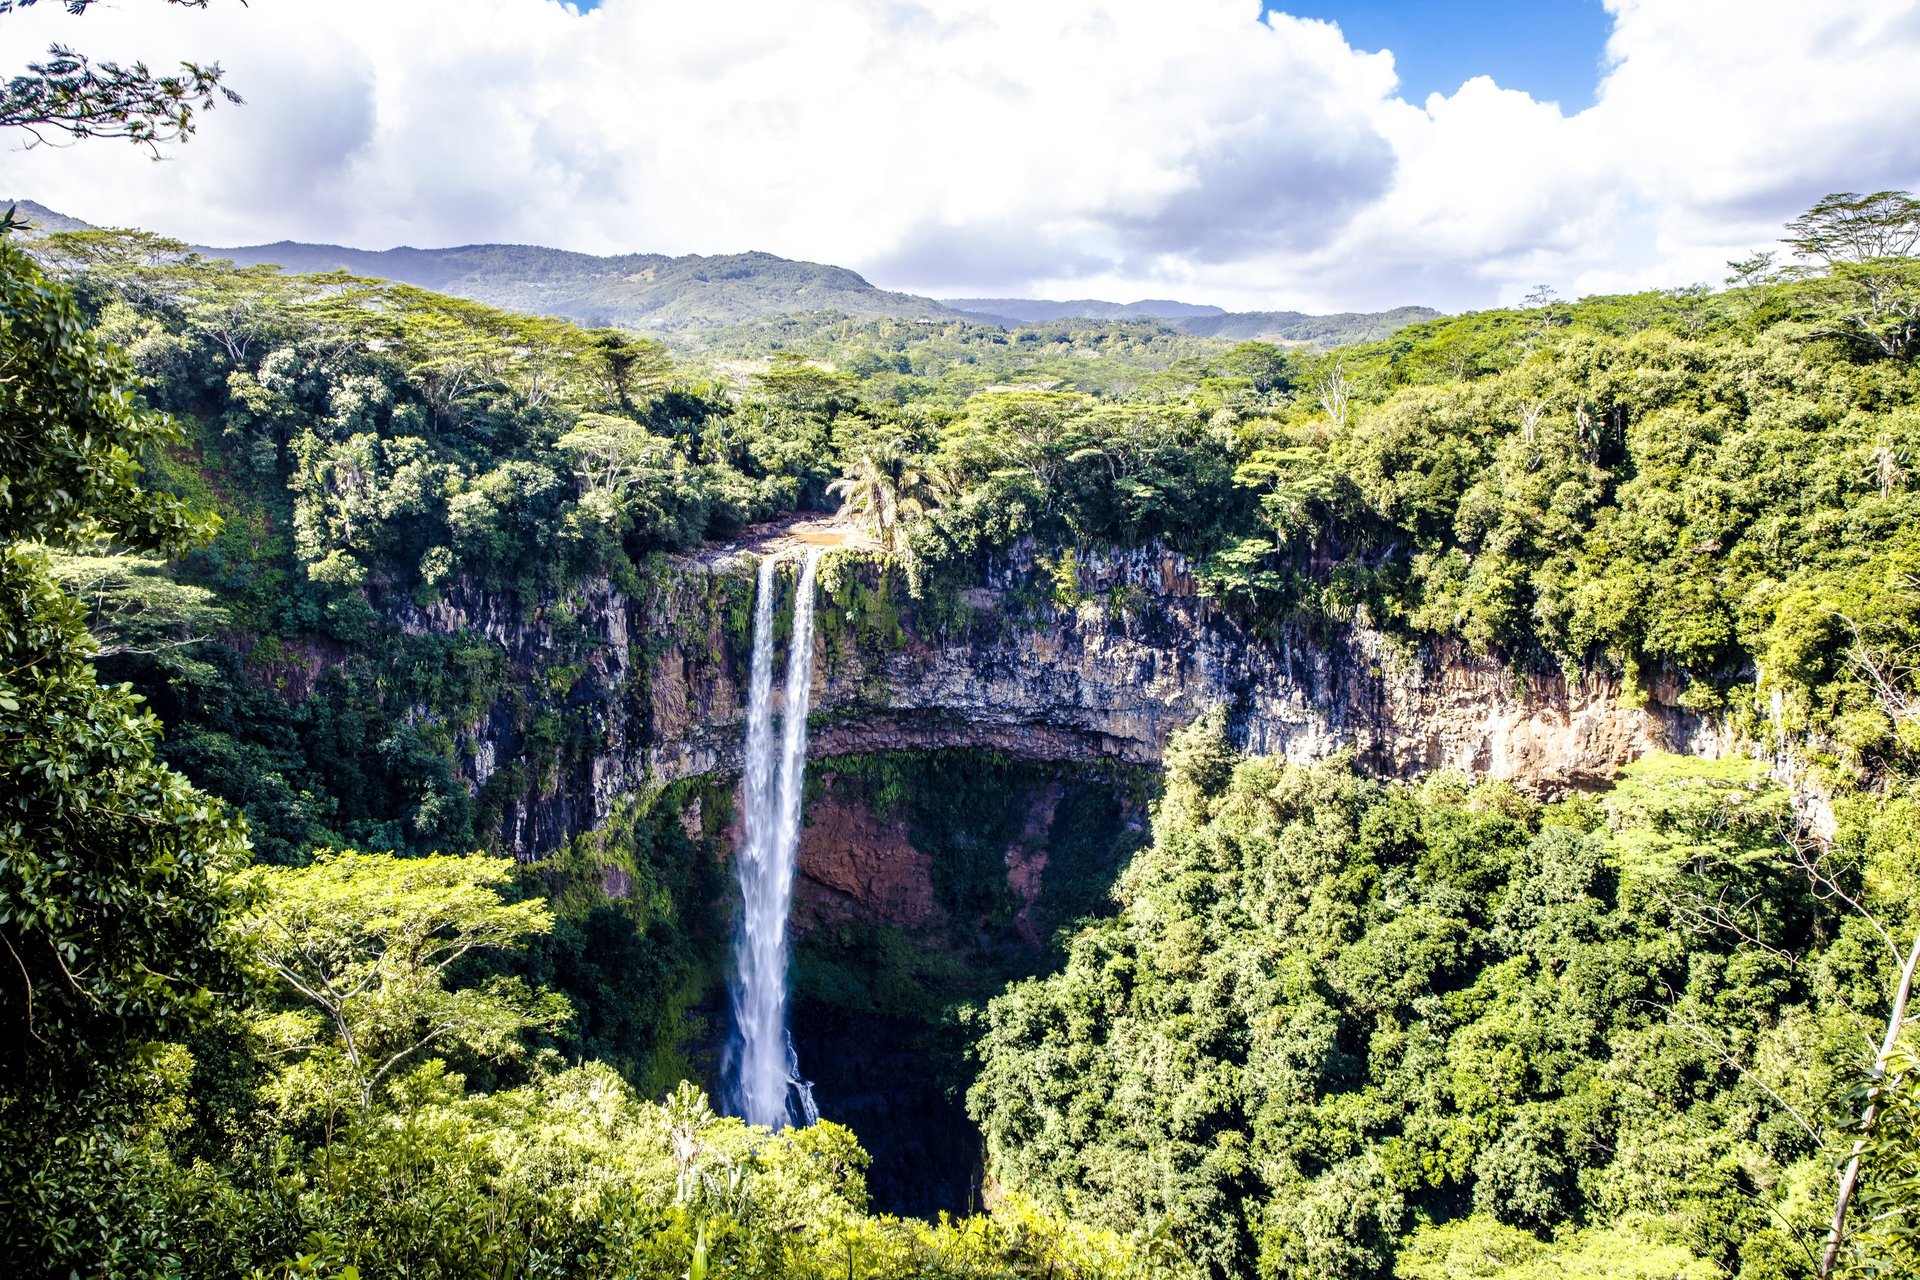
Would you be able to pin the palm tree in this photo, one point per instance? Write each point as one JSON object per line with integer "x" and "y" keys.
{"x": 882, "y": 488}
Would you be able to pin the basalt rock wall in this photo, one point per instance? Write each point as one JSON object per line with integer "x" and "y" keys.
{"x": 649, "y": 687}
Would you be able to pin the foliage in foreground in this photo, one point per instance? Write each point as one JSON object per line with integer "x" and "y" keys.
{"x": 326, "y": 1130}
{"x": 114, "y": 873}
{"x": 1348, "y": 1029}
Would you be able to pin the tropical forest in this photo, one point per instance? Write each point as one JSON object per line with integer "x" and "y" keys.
{"x": 522, "y": 764}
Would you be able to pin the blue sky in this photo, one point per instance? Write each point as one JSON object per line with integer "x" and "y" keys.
{"x": 1552, "y": 49}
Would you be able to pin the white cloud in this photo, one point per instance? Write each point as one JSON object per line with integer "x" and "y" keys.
{"x": 1125, "y": 148}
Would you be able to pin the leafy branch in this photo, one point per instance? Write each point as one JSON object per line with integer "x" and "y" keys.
{"x": 72, "y": 96}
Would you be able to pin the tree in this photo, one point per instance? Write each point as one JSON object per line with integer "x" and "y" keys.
{"x": 1874, "y": 306}
{"x": 135, "y": 607}
{"x": 1265, "y": 367}
{"x": 1886, "y": 1208}
{"x": 111, "y": 867}
{"x": 1336, "y": 394}
{"x": 70, "y": 436}
{"x": 239, "y": 309}
{"x": 629, "y": 369}
{"x": 796, "y": 385}
{"x": 1750, "y": 273}
{"x": 1016, "y": 433}
{"x": 882, "y": 488}
{"x": 71, "y": 94}
{"x": 1710, "y": 816}
{"x": 116, "y": 876}
{"x": 1848, "y": 227}
{"x": 609, "y": 453}
{"x": 1892, "y": 1146}
{"x": 1884, "y": 1102}
{"x": 1864, "y": 244}
{"x": 365, "y": 942}
{"x": 1885, "y": 467}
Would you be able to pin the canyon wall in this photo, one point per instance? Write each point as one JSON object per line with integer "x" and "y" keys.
{"x": 650, "y": 687}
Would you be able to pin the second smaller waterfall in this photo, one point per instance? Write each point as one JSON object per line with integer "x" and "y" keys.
{"x": 766, "y": 1072}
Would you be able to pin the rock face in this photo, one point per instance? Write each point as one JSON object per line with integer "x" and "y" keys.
{"x": 653, "y": 691}
{"x": 855, "y": 867}
{"x": 1116, "y": 679}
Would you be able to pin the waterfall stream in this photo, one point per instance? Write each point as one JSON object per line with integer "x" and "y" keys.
{"x": 768, "y": 1088}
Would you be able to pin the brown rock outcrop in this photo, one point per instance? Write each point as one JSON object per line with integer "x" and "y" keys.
{"x": 853, "y": 866}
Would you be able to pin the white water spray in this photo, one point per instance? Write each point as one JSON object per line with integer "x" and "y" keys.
{"x": 767, "y": 1085}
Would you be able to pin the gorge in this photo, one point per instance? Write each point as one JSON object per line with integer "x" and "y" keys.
{"x": 1042, "y": 699}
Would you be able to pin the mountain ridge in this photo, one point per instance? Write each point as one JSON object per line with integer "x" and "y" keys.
{"x": 1041, "y": 310}
{"x": 666, "y": 293}
{"x": 636, "y": 290}
{"x": 42, "y": 220}
{"x": 1285, "y": 327}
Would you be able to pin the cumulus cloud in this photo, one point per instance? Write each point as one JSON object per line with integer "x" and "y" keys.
{"x": 1067, "y": 147}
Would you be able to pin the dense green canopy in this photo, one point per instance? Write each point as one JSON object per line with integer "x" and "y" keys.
{"x": 1326, "y": 1026}
{"x": 1338, "y": 1025}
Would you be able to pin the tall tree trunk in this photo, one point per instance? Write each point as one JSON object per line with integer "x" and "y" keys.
{"x": 1851, "y": 1178}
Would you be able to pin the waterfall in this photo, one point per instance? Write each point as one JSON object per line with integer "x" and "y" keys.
{"x": 768, "y": 1088}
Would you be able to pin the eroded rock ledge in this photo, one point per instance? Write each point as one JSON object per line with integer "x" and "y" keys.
{"x": 657, "y": 694}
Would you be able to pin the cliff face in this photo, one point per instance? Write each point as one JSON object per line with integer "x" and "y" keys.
{"x": 652, "y": 685}
{"x": 855, "y": 866}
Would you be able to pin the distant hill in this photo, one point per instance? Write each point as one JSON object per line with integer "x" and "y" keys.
{"x": 1293, "y": 327}
{"x": 1011, "y": 312}
{"x": 1298, "y": 327}
{"x": 41, "y": 219}
{"x": 654, "y": 291}
{"x": 635, "y": 291}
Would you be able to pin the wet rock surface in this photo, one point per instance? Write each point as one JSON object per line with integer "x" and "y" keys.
{"x": 886, "y": 952}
